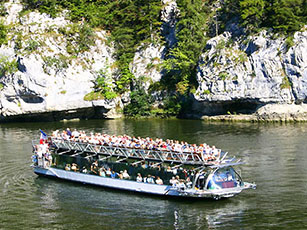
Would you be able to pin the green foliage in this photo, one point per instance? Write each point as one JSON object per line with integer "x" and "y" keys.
{"x": 7, "y": 67}
{"x": 252, "y": 12}
{"x": 286, "y": 84}
{"x": 93, "y": 96}
{"x": 289, "y": 42}
{"x": 284, "y": 16}
{"x": 63, "y": 92}
{"x": 207, "y": 92}
{"x": 3, "y": 33}
{"x": 140, "y": 104}
{"x": 102, "y": 88}
{"x": 223, "y": 76}
{"x": 59, "y": 62}
{"x": 1, "y": 86}
{"x": 182, "y": 59}
{"x": 2, "y": 9}
{"x": 220, "y": 45}
{"x": 18, "y": 41}
{"x": 80, "y": 37}
{"x": 124, "y": 81}
{"x": 31, "y": 45}
{"x": 171, "y": 105}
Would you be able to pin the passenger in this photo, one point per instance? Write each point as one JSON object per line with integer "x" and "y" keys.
{"x": 159, "y": 181}
{"x": 145, "y": 180}
{"x": 84, "y": 169}
{"x": 139, "y": 178}
{"x": 203, "y": 151}
{"x": 94, "y": 167}
{"x": 172, "y": 181}
{"x": 108, "y": 172}
{"x": 126, "y": 175}
{"x": 150, "y": 179}
{"x": 75, "y": 134}
{"x": 74, "y": 167}
{"x": 102, "y": 172}
{"x": 120, "y": 175}
{"x": 181, "y": 184}
{"x": 188, "y": 183}
{"x": 68, "y": 132}
{"x": 114, "y": 174}
{"x": 67, "y": 167}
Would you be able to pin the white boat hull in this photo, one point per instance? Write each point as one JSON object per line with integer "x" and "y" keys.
{"x": 134, "y": 186}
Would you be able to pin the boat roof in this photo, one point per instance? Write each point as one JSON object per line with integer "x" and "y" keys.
{"x": 140, "y": 155}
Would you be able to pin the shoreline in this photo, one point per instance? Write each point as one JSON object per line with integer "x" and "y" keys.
{"x": 264, "y": 114}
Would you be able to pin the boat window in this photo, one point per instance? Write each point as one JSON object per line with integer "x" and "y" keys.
{"x": 224, "y": 178}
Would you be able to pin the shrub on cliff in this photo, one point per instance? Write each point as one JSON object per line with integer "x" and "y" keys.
{"x": 3, "y": 33}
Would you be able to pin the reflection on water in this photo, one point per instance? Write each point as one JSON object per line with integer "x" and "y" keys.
{"x": 275, "y": 156}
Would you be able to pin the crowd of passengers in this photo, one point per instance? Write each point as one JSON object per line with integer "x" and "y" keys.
{"x": 204, "y": 151}
{"x": 103, "y": 171}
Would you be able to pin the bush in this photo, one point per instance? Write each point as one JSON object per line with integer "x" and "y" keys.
{"x": 171, "y": 106}
{"x": 7, "y": 67}
{"x": 32, "y": 45}
{"x": 59, "y": 62}
{"x": 140, "y": 104}
{"x": 102, "y": 88}
{"x": 223, "y": 76}
{"x": 3, "y": 33}
{"x": 2, "y": 10}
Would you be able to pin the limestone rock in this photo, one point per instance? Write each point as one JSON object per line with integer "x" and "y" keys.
{"x": 258, "y": 71}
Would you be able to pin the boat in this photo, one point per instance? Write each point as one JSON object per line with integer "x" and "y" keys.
{"x": 152, "y": 171}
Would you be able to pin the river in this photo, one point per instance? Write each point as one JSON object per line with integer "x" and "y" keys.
{"x": 275, "y": 156}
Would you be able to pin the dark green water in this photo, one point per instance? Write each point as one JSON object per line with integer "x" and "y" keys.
{"x": 277, "y": 161}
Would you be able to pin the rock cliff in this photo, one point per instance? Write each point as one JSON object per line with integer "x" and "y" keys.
{"x": 244, "y": 75}
{"x": 49, "y": 82}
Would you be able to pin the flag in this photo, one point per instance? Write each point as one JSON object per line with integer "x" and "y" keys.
{"x": 43, "y": 135}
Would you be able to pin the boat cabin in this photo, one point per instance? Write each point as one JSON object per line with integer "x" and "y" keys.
{"x": 217, "y": 178}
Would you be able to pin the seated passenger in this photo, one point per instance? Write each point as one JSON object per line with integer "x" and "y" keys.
{"x": 172, "y": 181}
{"x": 159, "y": 180}
{"x": 94, "y": 167}
{"x": 139, "y": 178}
{"x": 120, "y": 175}
{"x": 114, "y": 174}
{"x": 67, "y": 167}
{"x": 84, "y": 169}
{"x": 108, "y": 172}
{"x": 102, "y": 172}
{"x": 74, "y": 167}
{"x": 126, "y": 175}
{"x": 150, "y": 179}
{"x": 188, "y": 183}
{"x": 181, "y": 184}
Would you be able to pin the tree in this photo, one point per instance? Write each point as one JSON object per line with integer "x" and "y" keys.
{"x": 252, "y": 12}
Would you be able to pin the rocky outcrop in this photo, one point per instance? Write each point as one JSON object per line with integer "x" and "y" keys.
{"x": 244, "y": 75}
{"x": 49, "y": 80}
{"x": 147, "y": 60}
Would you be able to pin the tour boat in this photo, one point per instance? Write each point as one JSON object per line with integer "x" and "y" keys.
{"x": 158, "y": 172}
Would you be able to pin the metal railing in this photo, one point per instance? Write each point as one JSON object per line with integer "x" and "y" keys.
{"x": 140, "y": 154}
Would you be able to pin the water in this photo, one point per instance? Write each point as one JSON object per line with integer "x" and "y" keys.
{"x": 275, "y": 153}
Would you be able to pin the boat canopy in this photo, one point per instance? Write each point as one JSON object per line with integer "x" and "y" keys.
{"x": 121, "y": 153}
